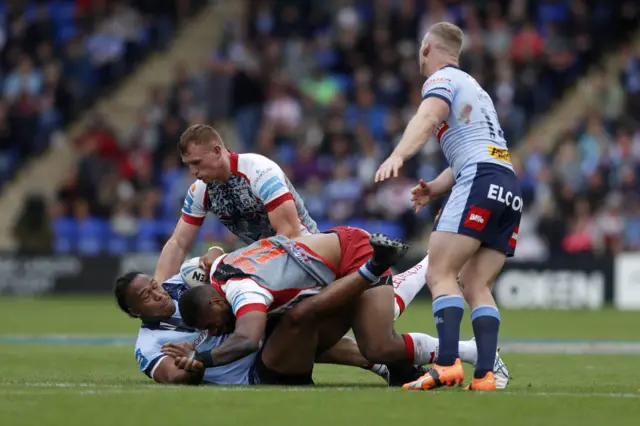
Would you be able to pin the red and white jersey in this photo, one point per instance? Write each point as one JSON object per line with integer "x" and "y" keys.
{"x": 256, "y": 187}
{"x": 270, "y": 275}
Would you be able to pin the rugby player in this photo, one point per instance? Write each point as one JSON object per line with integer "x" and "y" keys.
{"x": 266, "y": 279}
{"x": 251, "y": 196}
{"x": 291, "y": 341}
{"x": 477, "y": 227}
{"x": 156, "y": 305}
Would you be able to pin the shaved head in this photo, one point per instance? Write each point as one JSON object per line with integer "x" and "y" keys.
{"x": 440, "y": 46}
{"x": 445, "y": 37}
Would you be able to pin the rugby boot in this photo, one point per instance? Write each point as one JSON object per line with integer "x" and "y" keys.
{"x": 402, "y": 372}
{"x": 486, "y": 384}
{"x": 437, "y": 376}
{"x": 386, "y": 252}
{"x": 500, "y": 370}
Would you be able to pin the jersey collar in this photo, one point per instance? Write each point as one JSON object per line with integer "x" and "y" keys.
{"x": 233, "y": 158}
{"x": 450, "y": 66}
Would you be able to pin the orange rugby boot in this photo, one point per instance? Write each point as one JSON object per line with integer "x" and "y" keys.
{"x": 486, "y": 384}
{"x": 437, "y": 376}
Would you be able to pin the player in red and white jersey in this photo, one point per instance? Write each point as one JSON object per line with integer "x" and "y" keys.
{"x": 252, "y": 197}
{"x": 256, "y": 282}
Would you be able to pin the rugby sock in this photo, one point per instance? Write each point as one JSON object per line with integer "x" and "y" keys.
{"x": 378, "y": 369}
{"x": 468, "y": 351}
{"x": 426, "y": 344}
{"x": 447, "y": 313}
{"x": 371, "y": 272}
{"x": 486, "y": 323}
{"x": 408, "y": 284}
{"x": 420, "y": 348}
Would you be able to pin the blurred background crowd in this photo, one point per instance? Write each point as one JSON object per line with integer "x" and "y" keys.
{"x": 325, "y": 89}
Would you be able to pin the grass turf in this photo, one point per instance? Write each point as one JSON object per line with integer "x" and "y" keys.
{"x": 59, "y": 384}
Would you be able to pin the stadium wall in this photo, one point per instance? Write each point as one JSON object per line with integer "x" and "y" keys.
{"x": 560, "y": 283}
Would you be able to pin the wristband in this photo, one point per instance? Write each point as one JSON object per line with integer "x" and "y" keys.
{"x": 216, "y": 247}
{"x": 204, "y": 357}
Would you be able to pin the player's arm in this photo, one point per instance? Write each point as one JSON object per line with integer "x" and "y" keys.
{"x": 176, "y": 248}
{"x": 249, "y": 302}
{"x": 166, "y": 372}
{"x": 432, "y": 111}
{"x": 244, "y": 341}
{"x": 270, "y": 185}
{"x": 442, "y": 184}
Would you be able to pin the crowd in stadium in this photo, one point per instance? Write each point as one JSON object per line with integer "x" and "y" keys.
{"x": 326, "y": 92}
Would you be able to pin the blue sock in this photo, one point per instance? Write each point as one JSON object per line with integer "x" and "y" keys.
{"x": 447, "y": 312}
{"x": 486, "y": 323}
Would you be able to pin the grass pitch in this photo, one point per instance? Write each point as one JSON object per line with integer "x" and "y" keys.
{"x": 68, "y": 361}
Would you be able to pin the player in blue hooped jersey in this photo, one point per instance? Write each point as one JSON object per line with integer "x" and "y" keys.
{"x": 156, "y": 305}
{"x": 477, "y": 227}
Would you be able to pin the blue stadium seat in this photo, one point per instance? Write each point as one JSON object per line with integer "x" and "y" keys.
{"x": 117, "y": 243}
{"x": 146, "y": 239}
{"x": 91, "y": 236}
{"x": 65, "y": 234}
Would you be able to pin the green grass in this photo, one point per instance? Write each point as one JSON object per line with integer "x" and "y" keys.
{"x": 101, "y": 385}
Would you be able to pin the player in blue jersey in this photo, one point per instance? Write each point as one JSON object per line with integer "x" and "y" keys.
{"x": 477, "y": 227}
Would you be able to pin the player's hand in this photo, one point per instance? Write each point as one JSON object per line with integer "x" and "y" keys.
{"x": 189, "y": 365}
{"x": 177, "y": 350}
{"x": 389, "y": 168}
{"x": 420, "y": 195}
{"x": 205, "y": 263}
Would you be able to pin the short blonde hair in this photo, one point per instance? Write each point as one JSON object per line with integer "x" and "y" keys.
{"x": 449, "y": 37}
{"x": 198, "y": 134}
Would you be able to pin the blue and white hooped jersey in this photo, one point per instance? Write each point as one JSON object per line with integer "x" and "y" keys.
{"x": 471, "y": 134}
{"x": 152, "y": 336}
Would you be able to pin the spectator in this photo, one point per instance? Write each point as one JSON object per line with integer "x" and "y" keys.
{"x": 33, "y": 228}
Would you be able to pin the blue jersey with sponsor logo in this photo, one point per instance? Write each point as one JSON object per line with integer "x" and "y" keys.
{"x": 471, "y": 134}
{"x": 152, "y": 336}
{"x": 256, "y": 187}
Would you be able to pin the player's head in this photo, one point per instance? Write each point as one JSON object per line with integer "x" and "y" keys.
{"x": 140, "y": 296}
{"x": 206, "y": 309}
{"x": 440, "y": 46}
{"x": 202, "y": 149}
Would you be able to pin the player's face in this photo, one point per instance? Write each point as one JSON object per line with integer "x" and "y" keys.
{"x": 218, "y": 319}
{"x": 205, "y": 162}
{"x": 149, "y": 300}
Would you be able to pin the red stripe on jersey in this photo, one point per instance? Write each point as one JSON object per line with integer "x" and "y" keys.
{"x": 333, "y": 268}
{"x": 274, "y": 204}
{"x": 443, "y": 127}
{"x": 513, "y": 241}
{"x": 233, "y": 159}
{"x": 251, "y": 307}
{"x": 192, "y": 220}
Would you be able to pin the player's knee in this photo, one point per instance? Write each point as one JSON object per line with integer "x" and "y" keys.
{"x": 436, "y": 274}
{"x": 379, "y": 352}
{"x": 299, "y": 317}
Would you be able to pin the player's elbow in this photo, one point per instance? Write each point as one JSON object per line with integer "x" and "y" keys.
{"x": 288, "y": 229}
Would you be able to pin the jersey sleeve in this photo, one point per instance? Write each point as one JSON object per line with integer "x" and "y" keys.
{"x": 245, "y": 295}
{"x": 194, "y": 209}
{"x": 269, "y": 184}
{"x": 441, "y": 86}
{"x": 148, "y": 353}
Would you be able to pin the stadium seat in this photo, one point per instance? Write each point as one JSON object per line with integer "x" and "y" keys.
{"x": 65, "y": 234}
{"x": 91, "y": 236}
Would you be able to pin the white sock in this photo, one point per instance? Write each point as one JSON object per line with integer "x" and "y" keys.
{"x": 423, "y": 347}
{"x": 379, "y": 370}
{"x": 407, "y": 284}
{"x": 468, "y": 351}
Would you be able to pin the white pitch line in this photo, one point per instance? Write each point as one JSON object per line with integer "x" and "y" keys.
{"x": 89, "y": 388}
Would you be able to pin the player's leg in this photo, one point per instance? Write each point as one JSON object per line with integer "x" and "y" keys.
{"x": 299, "y": 327}
{"x": 346, "y": 352}
{"x": 477, "y": 279}
{"x": 407, "y": 285}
